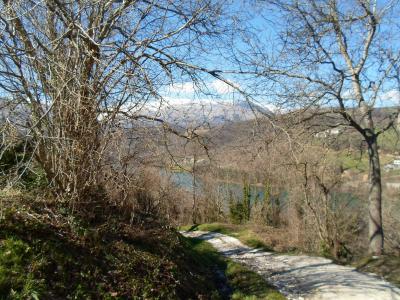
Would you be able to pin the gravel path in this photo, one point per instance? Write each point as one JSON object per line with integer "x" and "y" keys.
{"x": 303, "y": 277}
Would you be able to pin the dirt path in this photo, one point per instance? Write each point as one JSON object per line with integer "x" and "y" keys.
{"x": 303, "y": 277}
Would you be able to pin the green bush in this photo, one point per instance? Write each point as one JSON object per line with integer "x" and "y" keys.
{"x": 240, "y": 210}
{"x": 236, "y": 212}
{"x": 16, "y": 275}
{"x": 15, "y": 162}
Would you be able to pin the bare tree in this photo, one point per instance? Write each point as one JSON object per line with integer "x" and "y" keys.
{"x": 73, "y": 70}
{"x": 334, "y": 59}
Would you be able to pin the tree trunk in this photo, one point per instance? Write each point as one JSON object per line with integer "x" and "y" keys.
{"x": 375, "y": 199}
{"x": 194, "y": 208}
{"x": 375, "y": 183}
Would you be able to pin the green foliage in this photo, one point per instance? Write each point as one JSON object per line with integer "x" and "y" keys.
{"x": 47, "y": 253}
{"x": 246, "y": 201}
{"x": 267, "y": 205}
{"x": 267, "y": 210}
{"x": 236, "y": 212}
{"x": 249, "y": 285}
{"x": 387, "y": 266}
{"x": 11, "y": 157}
{"x": 389, "y": 140}
{"x": 17, "y": 266}
{"x": 15, "y": 162}
{"x": 267, "y": 193}
{"x": 242, "y": 232}
{"x": 244, "y": 283}
{"x": 240, "y": 210}
{"x": 325, "y": 250}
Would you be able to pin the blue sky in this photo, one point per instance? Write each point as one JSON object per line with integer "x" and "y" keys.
{"x": 267, "y": 29}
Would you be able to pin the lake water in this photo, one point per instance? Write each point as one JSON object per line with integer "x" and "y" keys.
{"x": 227, "y": 190}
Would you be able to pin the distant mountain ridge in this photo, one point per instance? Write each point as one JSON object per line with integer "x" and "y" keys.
{"x": 209, "y": 112}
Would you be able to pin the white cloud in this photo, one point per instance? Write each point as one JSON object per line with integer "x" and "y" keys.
{"x": 216, "y": 86}
{"x": 392, "y": 96}
{"x": 348, "y": 94}
{"x": 184, "y": 101}
{"x": 223, "y": 88}
{"x": 388, "y": 98}
{"x": 272, "y": 107}
{"x": 185, "y": 87}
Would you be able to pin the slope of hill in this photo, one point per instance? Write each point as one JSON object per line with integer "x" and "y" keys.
{"x": 206, "y": 112}
{"x": 46, "y": 253}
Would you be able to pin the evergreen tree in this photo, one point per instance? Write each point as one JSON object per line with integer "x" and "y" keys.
{"x": 246, "y": 201}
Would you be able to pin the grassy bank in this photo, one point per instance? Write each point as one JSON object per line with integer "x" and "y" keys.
{"x": 241, "y": 283}
{"x": 386, "y": 266}
{"x": 48, "y": 253}
{"x": 242, "y": 232}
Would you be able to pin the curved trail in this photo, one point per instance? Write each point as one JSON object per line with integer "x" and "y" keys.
{"x": 303, "y": 277}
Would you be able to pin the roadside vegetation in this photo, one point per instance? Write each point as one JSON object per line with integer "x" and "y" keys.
{"x": 241, "y": 283}
{"x": 45, "y": 253}
{"x": 385, "y": 266}
{"x": 309, "y": 199}
{"x": 244, "y": 233}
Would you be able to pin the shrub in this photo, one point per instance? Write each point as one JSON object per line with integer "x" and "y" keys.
{"x": 240, "y": 210}
{"x": 16, "y": 277}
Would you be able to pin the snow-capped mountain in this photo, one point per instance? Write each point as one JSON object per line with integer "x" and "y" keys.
{"x": 207, "y": 112}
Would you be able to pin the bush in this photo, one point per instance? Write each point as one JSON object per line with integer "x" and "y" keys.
{"x": 17, "y": 266}
{"x": 14, "y": 162}
{"x": 240, "y": 210}
{"x": 47, "y": 253}
{"x": 236, "y": 212}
